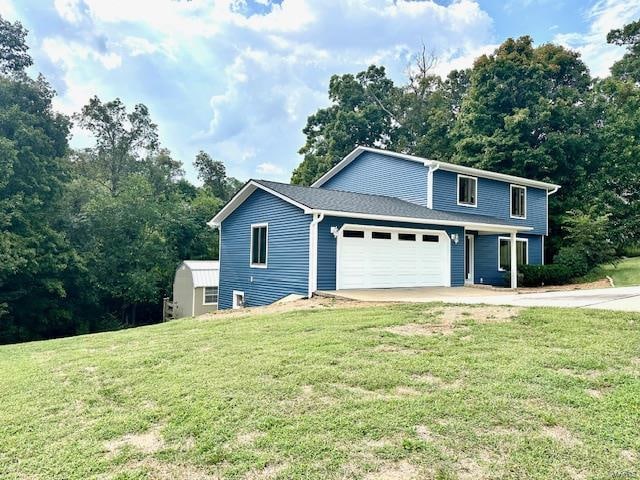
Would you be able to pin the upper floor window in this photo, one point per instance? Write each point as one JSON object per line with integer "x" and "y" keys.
{"x": 259, "y": 239}
{"x": 518, "y": 201}
{"x": 467, "y": 191}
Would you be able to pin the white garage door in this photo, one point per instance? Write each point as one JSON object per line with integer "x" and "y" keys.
{"x": 372, "y": 257}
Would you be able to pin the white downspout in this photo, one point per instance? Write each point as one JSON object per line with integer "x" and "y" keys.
{"x": 432, "y": 168}
{"x": 551, "y": 192}
{"x": 313, "y": 253}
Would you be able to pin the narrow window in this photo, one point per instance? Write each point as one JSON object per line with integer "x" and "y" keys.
{"x": 407, "y": 237}
{"x": 259, "y": 245}
{"x": 518, "y": 201}
{"x": 210, "y": 295}
{"x": 381, "y": 235}
{"x": 430, "y": 238}
{"x": 353, "y": 234}
{"x": 467, "y": 187}
{"x": 522, "y": 254}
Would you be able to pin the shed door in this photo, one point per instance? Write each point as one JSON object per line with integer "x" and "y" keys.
{"x": 372, "y": 257}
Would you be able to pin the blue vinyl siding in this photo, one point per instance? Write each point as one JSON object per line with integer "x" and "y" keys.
{"x": 486, "y": 258}
{"x": 378, "y": 174}
{"x": 287, "y": 256}
{"x": 327, "y": 248}
{"x": 493, "y": 199}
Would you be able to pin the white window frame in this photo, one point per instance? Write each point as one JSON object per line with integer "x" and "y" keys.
{"x": 463, "y": 204}
{"x": 511, "y": 187}
{"x": 235, "y": 294}
{"x": 204, "y": 295}
{"x": 266, "y": 252}
{"x": 508, "y": 239}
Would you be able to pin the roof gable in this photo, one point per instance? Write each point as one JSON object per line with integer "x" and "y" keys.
{"x": 350, "y": 204}
{"x": 437, "y": 164}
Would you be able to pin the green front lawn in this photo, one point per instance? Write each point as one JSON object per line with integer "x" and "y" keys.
{"x": 624, "y": 273}
{"x": 406, "y": 391}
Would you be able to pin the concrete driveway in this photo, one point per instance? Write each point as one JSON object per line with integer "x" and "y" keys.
{"x": 623, "y": 299}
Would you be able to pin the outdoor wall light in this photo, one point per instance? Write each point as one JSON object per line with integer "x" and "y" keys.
{"x": 455, "y": 237}
{"x": 334, "y": 231}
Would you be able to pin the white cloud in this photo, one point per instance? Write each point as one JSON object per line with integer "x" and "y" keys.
{"x": 603, "y": 16}
{"x": 241, "y": 84}
{"x": 70, "y": 54}
{"x": 267, "y": 168}
{"x": 7, "y": 10}
{"x": 69, "y": 10}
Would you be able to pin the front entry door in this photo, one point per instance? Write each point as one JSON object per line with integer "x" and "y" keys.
{"x": 468, "y": 259}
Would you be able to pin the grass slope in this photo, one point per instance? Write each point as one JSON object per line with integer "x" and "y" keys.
{"x": 330, "y": 393}
{"x": 625, "y": 273}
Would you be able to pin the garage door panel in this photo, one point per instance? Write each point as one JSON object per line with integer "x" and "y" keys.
{"x": 384, "y": 263}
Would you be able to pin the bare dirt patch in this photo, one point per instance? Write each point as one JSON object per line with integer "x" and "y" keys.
{"x": 247, "y": 438}
{"x": 592, "y": 392}
{"x": 484, "y": 314}
{"x": 424, "y": 433}
{"x": 398, "y": 471}
{"x": 267, "y": 472}
{"x": 315, "y": 303}
{"x": 629, "y": 455}
{"x": 432, "y": 380}
{"x": 147, "y": 442}
{"x": 561, "y": 435}
{"x": 158, "y": 470}
{"x": 419, "y": 329}
{"x": 575, "y": 474}
{"x": 456, "y": 318}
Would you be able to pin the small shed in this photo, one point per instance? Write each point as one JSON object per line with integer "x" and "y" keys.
{"x": 195, "y": 288}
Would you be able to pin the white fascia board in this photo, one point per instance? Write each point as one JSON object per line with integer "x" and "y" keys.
{"x": 242, "y": 195}
{"x": 452, "y": 167}
{"x": 469, "y": 225}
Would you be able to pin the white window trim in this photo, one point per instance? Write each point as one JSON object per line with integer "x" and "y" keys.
{"x": 235, "y": 293}
{"x": 204, "y": 295}
{"x": 511, "y": 187}
{"x": 462, "y": 204}
{"x": 266, "y": 253}
{"x": 526, "y": 250}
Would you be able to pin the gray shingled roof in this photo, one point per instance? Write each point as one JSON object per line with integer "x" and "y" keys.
{"x": 349, "y": 202}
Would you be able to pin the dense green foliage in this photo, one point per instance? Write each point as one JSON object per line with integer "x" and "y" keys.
{"x": 331, "y": 393}
{"x": 529, "y": 111}
{"x": 89, "y": 239}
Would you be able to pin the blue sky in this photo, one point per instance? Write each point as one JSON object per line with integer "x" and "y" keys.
{"x": 238, "y": 78}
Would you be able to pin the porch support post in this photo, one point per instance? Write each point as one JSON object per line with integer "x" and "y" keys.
{"x": 514, "y": 261}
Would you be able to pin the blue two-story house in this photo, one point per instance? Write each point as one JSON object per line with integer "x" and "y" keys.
{"x": 379, "y": 219}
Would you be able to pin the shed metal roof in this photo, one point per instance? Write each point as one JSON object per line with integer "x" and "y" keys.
{"x": 205, "y": 273}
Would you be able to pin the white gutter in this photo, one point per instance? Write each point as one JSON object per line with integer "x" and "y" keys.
{"x": 313, "y": 253}
{"x": 433, "y": 166}
{"x": 551, "y": 192}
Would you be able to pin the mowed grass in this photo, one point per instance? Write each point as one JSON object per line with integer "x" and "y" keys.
{"x": 625, "y": 273}
{"x": 395, "y": 392}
